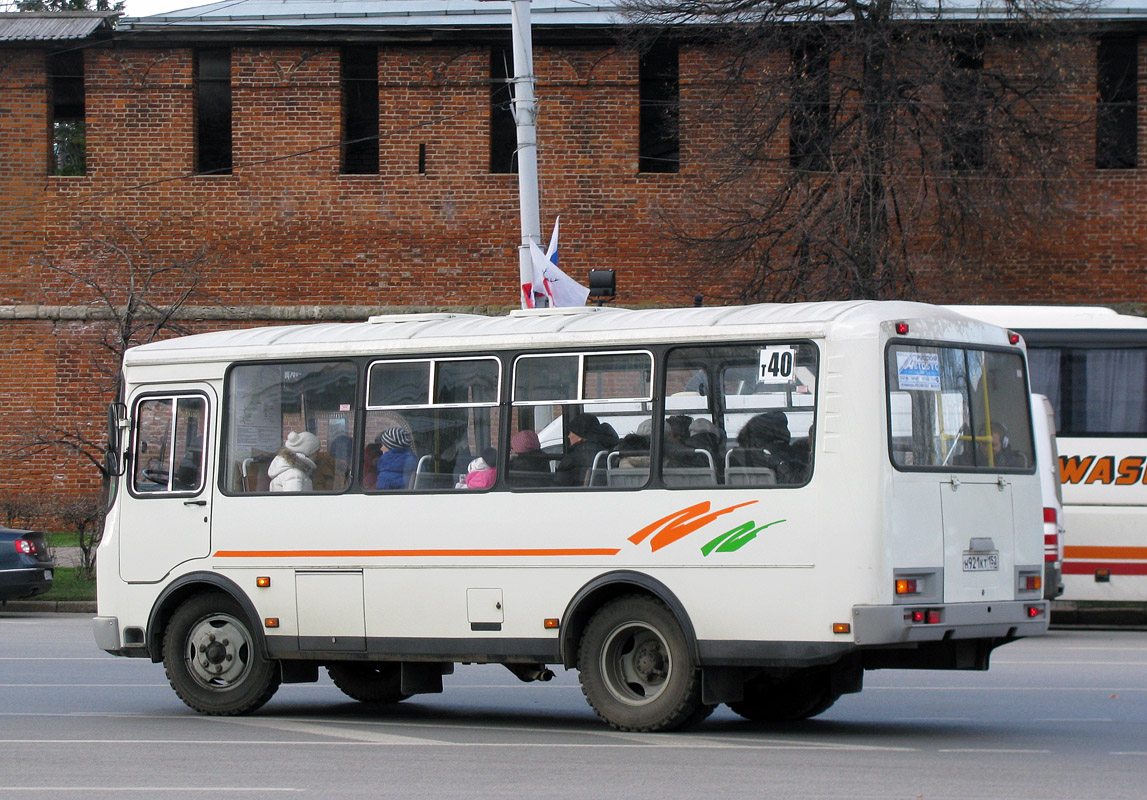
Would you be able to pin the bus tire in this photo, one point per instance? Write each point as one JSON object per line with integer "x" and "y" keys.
{"x": 213, "y": 660}
{"x": 801, "y": 696}
{"x": 636, "y": 670}
{"x": 369, "y": 681}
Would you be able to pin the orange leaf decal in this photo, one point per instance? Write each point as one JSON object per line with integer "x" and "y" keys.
{"x": 680, "y": 524}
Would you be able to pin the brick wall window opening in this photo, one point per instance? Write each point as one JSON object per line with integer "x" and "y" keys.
{"x": 659, "y": 147}
{"x": 810, "y": 115}
{"x": 1117, "y": 103}
{"x": 964, "y": 115}
{"x": 213, "y": 111}
{"x": 503, "y": 133}
{"x": 66, "y": 104}
{"x": 360, "y": 110}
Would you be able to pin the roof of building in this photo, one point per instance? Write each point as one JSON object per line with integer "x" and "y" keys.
{"x": 282, "y": 14}
{"x": 376, "y": 13}
{"x": 43, "y": 26}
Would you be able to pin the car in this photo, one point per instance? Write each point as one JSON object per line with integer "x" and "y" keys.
{"x": 26, "y": 566}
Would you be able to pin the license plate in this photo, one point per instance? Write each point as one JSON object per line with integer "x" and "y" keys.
{"x": 47, "y": 574}
{"x": 981, "y": 562}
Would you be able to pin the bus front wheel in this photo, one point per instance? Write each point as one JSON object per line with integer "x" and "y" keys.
{"x": 212, "y": 659}
{"x": 636, "y": 670}
{"x": 369, "y": 682}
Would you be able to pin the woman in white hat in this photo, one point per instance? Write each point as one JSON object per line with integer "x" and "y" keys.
{"x": 291, "y": 469}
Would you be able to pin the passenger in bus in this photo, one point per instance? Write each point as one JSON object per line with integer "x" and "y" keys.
{"x": 482, "y": 471}
{"x": 765, "y": 442}
{"x": 678, "y": 452}
{"x": 586, "y": 439}
{"x": 529, "y": 465}
{"x": 704, "y": 435}
{"x": 396, "y": 464}
{"x": 292, "y": 468}
{"x": 1002, "y": 453}
{"x": 370, "y": 465}
{"x": 633, "y": 451}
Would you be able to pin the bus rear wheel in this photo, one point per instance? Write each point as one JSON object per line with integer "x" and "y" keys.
{"x": 801, "y": 696}
{"x": 369, "y": 682}
{"x": 636, "y": 670}
{"x": 213, "y": 660}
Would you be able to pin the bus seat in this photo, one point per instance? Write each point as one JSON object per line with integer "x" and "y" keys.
{"x": 424, "y": 480}
{"x": 692, "y": 476}
{"x": 617, "y": 475}
{"x": 254, "y": 472}
{"x": 750, "y": 476}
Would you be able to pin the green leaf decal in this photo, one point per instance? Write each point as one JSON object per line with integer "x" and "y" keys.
{"x": 734, "y": 540}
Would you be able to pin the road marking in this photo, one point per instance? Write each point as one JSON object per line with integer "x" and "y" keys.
{"x": 989, "y": 750}
{"x": 321, "y": 729}
{"x": 1076, "y": 719}
{"x": 652, "y": 740}
{"x": 151, "y": 789}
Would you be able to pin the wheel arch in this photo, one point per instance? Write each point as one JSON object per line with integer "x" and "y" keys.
{"x": 606, "y": 587}
{"x": 187, "y": 586}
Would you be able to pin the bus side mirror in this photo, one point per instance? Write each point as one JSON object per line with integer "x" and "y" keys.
{"x": 113, "y": 455}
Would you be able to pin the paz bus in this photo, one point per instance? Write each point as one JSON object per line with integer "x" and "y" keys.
{"x": 1091, "y": 363}
{"x": 748, "y": 505}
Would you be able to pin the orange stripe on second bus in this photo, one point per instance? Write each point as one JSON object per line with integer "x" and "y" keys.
{"x": 514, "y": 553}
{"x": 1079, "y": 551}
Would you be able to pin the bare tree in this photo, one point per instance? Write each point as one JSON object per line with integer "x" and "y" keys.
{"x": 849, "y": 144}
{"x": 134, "y": 290}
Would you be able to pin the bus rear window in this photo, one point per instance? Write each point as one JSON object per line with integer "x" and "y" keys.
{"x": 958, "y": 409}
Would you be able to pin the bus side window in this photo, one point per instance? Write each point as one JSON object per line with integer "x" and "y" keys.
{"x": 428, "y": 421}
{"x": 271, "y": 405}
{"x": 169, "y": 454}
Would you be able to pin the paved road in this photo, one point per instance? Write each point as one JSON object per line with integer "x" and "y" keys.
{"x": 1060, "y": 717}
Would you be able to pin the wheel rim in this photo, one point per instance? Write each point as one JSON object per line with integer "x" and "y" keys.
{"x": 636, "y": 663}
{"x": 218, "y": 651}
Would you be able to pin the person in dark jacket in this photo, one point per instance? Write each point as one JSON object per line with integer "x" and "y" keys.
{"x": 765, "y": 442}
{"x": 587, "y": 439}
{"x": 397, "y": 461}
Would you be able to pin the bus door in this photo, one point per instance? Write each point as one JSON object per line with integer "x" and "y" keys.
{"x": 979, "y": 538}
{"x": 165, "y": 517}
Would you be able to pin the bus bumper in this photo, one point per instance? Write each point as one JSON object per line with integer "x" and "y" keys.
{"x": 875, "y": 625}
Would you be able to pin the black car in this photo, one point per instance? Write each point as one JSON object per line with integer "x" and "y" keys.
{"x": 26, "y": 567}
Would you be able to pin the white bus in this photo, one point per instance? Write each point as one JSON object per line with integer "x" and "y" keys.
{"x": 1091, "y": 363}
{"x": 748, "y": 505}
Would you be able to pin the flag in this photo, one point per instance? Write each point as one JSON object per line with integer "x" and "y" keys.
{"x": 561, "y": 289}
{"x": 549, "y": 281}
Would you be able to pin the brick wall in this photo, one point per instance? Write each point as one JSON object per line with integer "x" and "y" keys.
{"x": 294, "y": 231}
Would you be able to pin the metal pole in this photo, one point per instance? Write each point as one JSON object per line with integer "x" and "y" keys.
{"x": 525, "y": 115}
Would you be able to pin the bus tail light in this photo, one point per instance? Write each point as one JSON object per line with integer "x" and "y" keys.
{"x": 1029, "y": 580}
{"x": 902, "y": 328}
{"x": 924, "y": 616}
{"x": 1013, "y": 337}
{"x": 1033, "y": 612}
{"x": 906, "y": 586}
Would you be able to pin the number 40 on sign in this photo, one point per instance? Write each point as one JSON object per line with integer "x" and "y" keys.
{"x": 776, "y": 365}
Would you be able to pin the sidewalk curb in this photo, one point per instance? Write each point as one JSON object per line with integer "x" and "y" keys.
{"x": 57, "y": 606}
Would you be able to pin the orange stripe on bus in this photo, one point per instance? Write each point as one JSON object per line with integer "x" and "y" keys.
{"x": 584, "y": 551}
{"x": 1079, "y": 551}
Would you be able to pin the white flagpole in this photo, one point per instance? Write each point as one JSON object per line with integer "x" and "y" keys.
{"x": 525, "y": 115}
